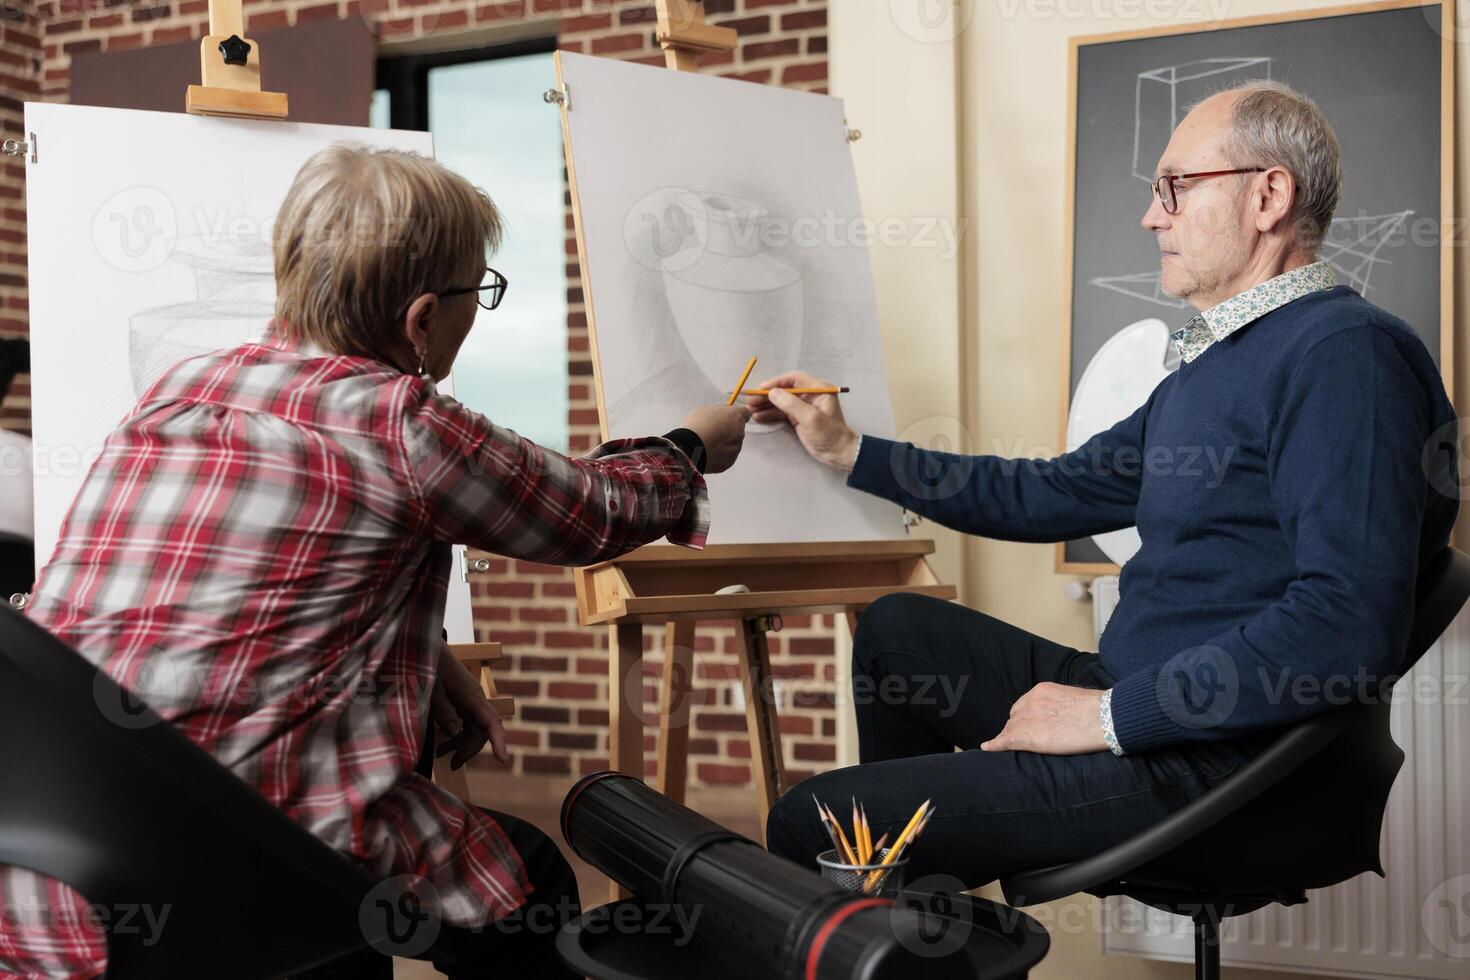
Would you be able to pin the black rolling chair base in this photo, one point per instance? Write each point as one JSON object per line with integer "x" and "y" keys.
{"x": 1206, "y": 912}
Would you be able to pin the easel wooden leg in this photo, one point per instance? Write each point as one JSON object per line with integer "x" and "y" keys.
{"x": 625, "y": 700}
{"x": 761, "y": 719}
{"x": 848, "y": 752}
{"x": 674, "y": 713}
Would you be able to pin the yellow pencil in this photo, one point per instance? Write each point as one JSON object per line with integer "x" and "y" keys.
{"x": 902, "y": 838}
{"x": 847, "y": 852}
{"x": 876, "y": 848}
{"x": 741, "y": 383}
{"x": 898, "y": 851}
{"x": 867, "y": 835}
{"x": 831, "y": 827}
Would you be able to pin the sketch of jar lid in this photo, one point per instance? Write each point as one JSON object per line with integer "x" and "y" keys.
{"x": 227, "y": 266}
{"x": 726, "y": 227}
{"x": 235, "y": 282}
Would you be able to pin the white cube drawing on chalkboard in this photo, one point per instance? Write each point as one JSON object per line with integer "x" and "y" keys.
{"x": 1163, "y": 97}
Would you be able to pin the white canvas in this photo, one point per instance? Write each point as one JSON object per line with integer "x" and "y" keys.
{"x": 149, "y": 242}
{"x": 721, "y": 221}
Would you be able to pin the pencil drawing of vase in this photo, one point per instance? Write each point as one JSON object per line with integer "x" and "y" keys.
{"x": 733, "y": 301}
{"x": 236, "y": 298}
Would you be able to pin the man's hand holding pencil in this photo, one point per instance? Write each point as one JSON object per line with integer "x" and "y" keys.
{"x": 816, "y": 417}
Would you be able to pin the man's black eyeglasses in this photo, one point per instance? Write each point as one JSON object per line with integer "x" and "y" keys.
{"x": 495, "y": 283}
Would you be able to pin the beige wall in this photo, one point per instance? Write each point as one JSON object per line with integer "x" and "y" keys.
{"x": 1006, "y": 115}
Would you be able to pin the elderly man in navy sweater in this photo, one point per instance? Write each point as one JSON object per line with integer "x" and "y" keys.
{"x": 1269, "y": 586}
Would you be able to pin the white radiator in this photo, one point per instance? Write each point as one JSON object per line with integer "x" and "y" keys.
{"x": 1415, "y": 922}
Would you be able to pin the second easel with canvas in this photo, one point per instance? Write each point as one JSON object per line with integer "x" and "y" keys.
{"x": 680, "y": 294}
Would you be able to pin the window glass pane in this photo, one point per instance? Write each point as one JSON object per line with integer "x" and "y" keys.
{"x": 491, "y": 125}
{"x": 378, "y": 113}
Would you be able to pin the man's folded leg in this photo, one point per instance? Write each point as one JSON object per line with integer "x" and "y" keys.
{"x": 997, "y": 813}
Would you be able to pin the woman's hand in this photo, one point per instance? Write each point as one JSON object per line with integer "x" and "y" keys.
{"x": 462, "y": 712}
{"x": 817, "y": 419}
{"x": 722, "y": 430}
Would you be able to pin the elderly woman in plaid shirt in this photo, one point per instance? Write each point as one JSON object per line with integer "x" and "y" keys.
{"x": 263, "y": 548}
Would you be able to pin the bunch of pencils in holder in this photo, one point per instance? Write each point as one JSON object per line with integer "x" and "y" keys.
{"x": 861, "y": 851}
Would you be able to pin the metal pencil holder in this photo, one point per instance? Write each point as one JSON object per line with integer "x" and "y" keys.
{"x": 879, "y": 880}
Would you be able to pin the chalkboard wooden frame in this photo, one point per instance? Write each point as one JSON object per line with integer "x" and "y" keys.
{"x": 1446, "y": 190}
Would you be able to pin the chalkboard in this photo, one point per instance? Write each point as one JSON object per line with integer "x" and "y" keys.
{"x": 1377, "y": 73}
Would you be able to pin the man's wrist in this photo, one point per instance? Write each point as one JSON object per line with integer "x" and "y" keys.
{"x": 845, "y": 458}
{"x": 1105, "y": 719}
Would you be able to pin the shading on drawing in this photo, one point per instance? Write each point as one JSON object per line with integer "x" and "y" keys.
{"x": 712, "y": 293}
{"x": 728, "y": 236}
{"x": 236, "y": 297}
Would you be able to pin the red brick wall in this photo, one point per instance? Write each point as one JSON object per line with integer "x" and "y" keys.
{"x": 20, "y": 79}
{"x": 557, "y": 670}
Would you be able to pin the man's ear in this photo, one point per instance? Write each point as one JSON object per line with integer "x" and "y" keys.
{"x": 419, "y": 321}
{"x": 1276, "y": 192}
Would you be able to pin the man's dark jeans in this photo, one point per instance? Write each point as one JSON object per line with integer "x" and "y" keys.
{"x": 930, "y": 676}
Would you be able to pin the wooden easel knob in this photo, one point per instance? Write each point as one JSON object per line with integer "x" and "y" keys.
{"x": 235, "y": 50}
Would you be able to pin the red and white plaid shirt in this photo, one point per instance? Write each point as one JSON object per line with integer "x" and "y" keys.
{"x": 261, "y": 553}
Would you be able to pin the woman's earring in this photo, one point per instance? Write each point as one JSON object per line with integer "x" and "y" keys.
{"x": 422, "y": 360}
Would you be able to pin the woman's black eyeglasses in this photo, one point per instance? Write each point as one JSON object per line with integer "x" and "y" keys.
{"x": 496, "y": 286}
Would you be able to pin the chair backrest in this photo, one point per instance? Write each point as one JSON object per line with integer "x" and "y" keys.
{"x": 17, "y": 564}
{"x": 1267, "y": 833}
{"x": 99, "y": 792}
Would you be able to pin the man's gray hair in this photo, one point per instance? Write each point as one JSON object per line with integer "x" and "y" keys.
{"x": 1275, "y": 125}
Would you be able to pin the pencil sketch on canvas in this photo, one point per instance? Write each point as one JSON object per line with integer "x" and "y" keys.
{"x": 235, "y": 299}
{"x": 710, "y": 292}
{"x": 732, "y": 234}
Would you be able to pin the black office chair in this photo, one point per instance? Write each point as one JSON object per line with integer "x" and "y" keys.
{"x": 17, "y": 564}
{"x": 99, "y": 792}
{"x": 1306, "y": 813}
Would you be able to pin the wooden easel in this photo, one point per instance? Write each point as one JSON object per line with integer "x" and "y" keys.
{"x": 477, "y": 657}
{"x": 229, "y": 65}
{"x": 676, "y": 586}
{"x": 230, "y": 70}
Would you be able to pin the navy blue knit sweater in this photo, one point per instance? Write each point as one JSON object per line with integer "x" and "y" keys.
{"x": 1287, "y": 485}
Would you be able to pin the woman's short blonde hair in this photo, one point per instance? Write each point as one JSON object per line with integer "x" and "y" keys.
{"x": 362, "y": 233}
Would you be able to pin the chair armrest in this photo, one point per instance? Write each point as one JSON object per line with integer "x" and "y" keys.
{"x": 477, "y": 653}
